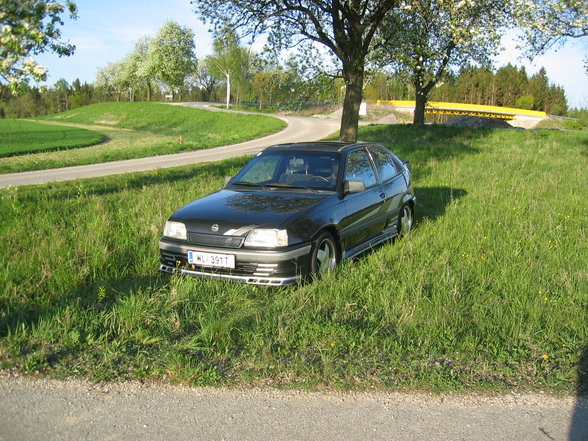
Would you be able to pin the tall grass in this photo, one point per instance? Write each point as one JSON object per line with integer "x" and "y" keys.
{"x": 489, "y": 291}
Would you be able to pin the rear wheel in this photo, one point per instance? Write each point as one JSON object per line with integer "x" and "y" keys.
{"x": 324, "y": 255}
{"x": 405, "y": 220}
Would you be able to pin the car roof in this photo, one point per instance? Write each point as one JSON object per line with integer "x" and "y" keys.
{"x": 319, "y": 146}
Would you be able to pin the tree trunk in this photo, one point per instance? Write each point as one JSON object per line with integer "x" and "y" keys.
{"x": 351, "y": 103}
{"x": 228, "y": 89}
{"x": 419, "y": 108}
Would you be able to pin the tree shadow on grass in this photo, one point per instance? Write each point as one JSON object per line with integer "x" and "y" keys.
{"x": 29, "y": 314}
{"x": 421, "y": 145}
{"x": 132, "y": 181}
{"x": 585, "y": 149}
{"x": 579, "y": 425}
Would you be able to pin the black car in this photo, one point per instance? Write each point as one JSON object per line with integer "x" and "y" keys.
{"x": 294, "y": 210}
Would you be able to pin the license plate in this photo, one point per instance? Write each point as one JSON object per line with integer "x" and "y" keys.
{"x": 211, "y": 259}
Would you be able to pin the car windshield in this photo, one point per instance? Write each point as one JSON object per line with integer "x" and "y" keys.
{"x": 291, "y": 169}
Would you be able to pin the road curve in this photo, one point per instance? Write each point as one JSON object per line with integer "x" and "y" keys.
{"x": 299, "y": 129}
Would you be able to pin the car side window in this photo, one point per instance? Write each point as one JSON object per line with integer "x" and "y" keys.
{"x": 384, "y": 163}
{"x": 359, "y": 168}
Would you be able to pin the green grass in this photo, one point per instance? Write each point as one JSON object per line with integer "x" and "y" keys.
{"x": 489, "y": 292}
{"x": 138, "y": 130}
{"x": 560, "y": 124}
{"x": 19, "y": 137}
{"x": 295, "y": 109}
{"x": 196, "y": 126}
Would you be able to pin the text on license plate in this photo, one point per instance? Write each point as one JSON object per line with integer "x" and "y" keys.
{"x": 211, "y": 259}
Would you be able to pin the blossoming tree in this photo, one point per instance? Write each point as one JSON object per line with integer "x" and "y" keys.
{"x": 27, "y": 28}
{"x": 428, "y": 36}
{"x": 549, "y": 23}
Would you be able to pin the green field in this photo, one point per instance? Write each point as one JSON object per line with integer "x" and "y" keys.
{"x": 489, "y": 291}
{"x": 19, "y": 137}
{"x": 138, "y": 130}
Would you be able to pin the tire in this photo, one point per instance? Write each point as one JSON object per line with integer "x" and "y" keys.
{"x": 324, "y": 255}
{"x": 405, "y": 220}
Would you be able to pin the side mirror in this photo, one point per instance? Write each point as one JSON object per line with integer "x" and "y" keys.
{"x": 353, "y": 187}
{"x": 227, "y": 180}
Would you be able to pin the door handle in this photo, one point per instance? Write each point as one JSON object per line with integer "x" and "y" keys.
{"x": 383, "y": 195}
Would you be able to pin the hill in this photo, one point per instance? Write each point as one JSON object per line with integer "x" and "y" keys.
{"x": 195, "y": 126}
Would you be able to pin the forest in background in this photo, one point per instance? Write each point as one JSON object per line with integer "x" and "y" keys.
{"x": 287, "y": 85}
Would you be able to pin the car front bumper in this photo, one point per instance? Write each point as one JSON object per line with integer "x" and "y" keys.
{"x": 258, "y": 267}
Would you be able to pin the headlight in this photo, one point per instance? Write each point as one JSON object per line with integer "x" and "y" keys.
{"x": 175, "y": 230}
{"x": 267, "y": 238}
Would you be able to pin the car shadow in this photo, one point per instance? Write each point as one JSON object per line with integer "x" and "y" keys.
{"x": 432, "y": 202}
{"x": 579, "y": 424}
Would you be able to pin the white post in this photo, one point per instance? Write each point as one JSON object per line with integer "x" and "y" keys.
{"x": 228, "y": 88}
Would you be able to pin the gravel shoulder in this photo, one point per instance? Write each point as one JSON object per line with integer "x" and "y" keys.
{"x": 33, "y": 409}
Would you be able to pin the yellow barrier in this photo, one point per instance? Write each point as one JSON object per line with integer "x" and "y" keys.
{"x": 470, "y": 109}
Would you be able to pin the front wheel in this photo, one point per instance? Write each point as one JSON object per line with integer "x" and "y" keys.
{"x": 324, "y": 255}
{"x": 405, "y": 220}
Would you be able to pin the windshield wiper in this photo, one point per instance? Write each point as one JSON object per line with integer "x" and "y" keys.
{"x": 250, "y": 184}
{"x": 293, "y": 186}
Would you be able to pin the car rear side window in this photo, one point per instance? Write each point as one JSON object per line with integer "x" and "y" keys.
{"x": 359, "y": 168}
{"x": 384, "y": 163}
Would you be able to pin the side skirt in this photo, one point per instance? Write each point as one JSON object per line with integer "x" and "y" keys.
{"x": 371, "y": 243}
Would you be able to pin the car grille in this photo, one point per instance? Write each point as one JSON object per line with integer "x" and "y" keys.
{"x": 215, "y": 240}
{"x": 244, "y": 269}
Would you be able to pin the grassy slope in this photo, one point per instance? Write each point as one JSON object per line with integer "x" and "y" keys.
{"x": 489, "y": 291}
{"x": 199, "y": 127}
{"x": 137, "y": 130}
{"x": 18, "y": 137}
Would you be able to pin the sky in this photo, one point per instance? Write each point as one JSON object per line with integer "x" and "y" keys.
{"x": 106, "y": 31}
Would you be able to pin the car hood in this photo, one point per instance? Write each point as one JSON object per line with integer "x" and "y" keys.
{"x": 239, "y": 211}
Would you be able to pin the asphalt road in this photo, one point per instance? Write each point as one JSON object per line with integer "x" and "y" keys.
{"x": 40, "y": 409}
{"x": 298, "y": 129}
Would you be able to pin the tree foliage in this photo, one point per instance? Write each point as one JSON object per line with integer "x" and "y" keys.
{"x": 171, "y": 55}
{"x": 168, "y": 58}
{"x": 28, "y": 28}
{"x": 549, "y": 22}
{"x": 229, "y": 59}
{"x": 204, "y": 79}
{"x": 114, "y": 80}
